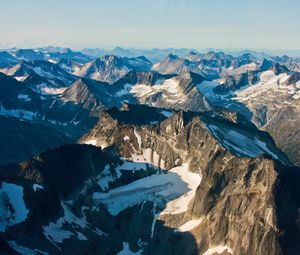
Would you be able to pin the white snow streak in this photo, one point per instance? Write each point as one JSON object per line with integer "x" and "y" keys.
{"x": 127, "y": 251}
{"x": 218, "y": 249}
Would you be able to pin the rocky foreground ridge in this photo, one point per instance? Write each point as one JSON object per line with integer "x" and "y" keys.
{"x": 162, "y": 184}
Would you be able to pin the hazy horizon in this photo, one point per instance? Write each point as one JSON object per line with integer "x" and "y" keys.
{"x": 256, "y": 25}
{"x": 233, "y": 51}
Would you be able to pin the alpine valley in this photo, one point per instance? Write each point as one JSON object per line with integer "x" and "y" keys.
{"x": 159, "y": 152}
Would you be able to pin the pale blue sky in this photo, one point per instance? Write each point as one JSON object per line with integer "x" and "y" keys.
{"x": 271, "y": 24}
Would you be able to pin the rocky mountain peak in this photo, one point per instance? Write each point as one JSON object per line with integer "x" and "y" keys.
{"x": 171, "y": 57}
{"x": 111, "y": 59}
{"x": 90, "y": 94}
{"x": 278, "y": 69}
{"x": 266, "y": 65}
{"x": 211, "y": 55}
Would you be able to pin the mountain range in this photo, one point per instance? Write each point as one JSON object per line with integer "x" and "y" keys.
{"x": 129, "y": 151}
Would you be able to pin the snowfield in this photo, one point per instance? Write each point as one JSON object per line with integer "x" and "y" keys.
{"x": 239, "y": 143}
{"x": 171, "y": 191}
{"x": 268, "y": 82}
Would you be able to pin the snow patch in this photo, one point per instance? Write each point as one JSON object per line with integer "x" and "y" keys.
{"x": 81, "y": 237}
{"x": 91, "y": 142}
{"x": 138, "y": 137}
{"x": 218, "y": 249}
{"x": 127, "y": 251}
{"x": 168, "y": 114}
{"x": 24, "y": 97}
{"x": 191, "y": 224}
{"x": 12, "y": 205}
{"x": 37, "y": 187}
{"x": 45, "y": 90}
{"x": 21, "y": 78}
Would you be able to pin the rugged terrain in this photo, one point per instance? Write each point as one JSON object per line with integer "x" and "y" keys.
{"x": 192, "y": 194}
{"x": 104, "y": 152}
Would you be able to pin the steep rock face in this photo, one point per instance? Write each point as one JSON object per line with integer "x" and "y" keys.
{"x": 265, "y": 65}
{"x": 238, "y": 199}
{"x": 90, "y": 94}
{"x": 287, "y": 137}
{"x": 239, "y": 210}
